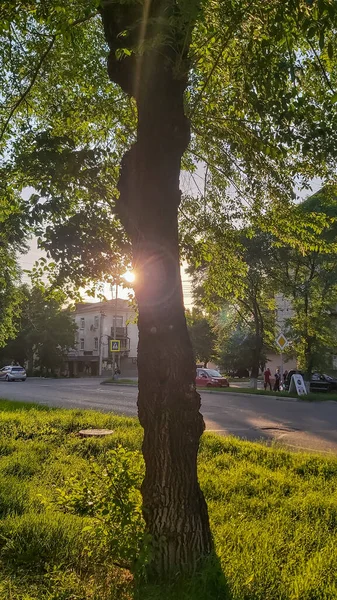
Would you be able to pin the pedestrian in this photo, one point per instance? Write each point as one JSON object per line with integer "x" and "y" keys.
{"x": 277, "y": 381}
{"x": 267, "y": 375}
{"x": 285, "y": 375}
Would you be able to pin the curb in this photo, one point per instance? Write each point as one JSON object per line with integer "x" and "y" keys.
{"x": 119, "y": 384}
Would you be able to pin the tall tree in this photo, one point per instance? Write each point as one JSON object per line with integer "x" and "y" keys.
{"x": 309, "y": 280}
{"x": 257, "y": 81}
{"x": 230, "y": 266}
{"x": 201, "y": 334}
{"x": 13, "y": 235}
{"x": 45, "y": 332}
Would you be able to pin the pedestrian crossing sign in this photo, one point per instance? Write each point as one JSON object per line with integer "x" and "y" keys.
{"x": 115, "y": 345}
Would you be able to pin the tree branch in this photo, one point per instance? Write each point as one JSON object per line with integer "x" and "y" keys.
{"x": 36, "y": 73}
{"x": 27, "y": 90}
{"x": 217, "y": 60}
{"x": 324, "y": 73}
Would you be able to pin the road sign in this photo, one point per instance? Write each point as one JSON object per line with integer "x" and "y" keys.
{"x": 297, "y": 385}
{"x": 115, "y": 345}
{"x": 282, "y": 341}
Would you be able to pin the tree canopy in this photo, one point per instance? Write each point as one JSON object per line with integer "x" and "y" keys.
{"x": 45, "y": 332}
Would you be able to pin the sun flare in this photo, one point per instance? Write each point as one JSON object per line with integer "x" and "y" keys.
{"x": 129, "y": 276}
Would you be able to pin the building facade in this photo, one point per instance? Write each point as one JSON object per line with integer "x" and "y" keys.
{"x": 97, "y": 324}
{"x": 283, "y": 313}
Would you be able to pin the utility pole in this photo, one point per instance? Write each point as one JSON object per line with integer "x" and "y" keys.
{"x": 100, "y": 345}
{"x": 115, "y": 329}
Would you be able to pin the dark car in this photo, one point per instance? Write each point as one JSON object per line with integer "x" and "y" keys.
{"x": 240, "y": 373}
{"x": 318, "y": 383}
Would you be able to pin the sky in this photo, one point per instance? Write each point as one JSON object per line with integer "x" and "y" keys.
{"x": 191, "y": 184}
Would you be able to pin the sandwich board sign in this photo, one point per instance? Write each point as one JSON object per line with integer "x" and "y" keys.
{"x": 297, "y": 385}
{"x": 115, "y": 345}
{"x": 281, "y": 341}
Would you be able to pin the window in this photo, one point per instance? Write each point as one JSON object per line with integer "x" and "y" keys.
{"x": 96, "y": 343}
{"x": 82, "y": 344}
{"x": 119, "y": 321}
{"x": 82, "y": 322}
{"x": 96, "y": 322}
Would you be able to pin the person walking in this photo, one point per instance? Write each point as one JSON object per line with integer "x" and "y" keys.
{"x": 267, "y": 375}
{"x": 277, "y": 381}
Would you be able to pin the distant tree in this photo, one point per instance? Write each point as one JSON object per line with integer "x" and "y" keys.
{"x": 13, "y": 236}
{"x": 236, "y": 343}
{"x": 309, "y": 280}
{"x": 201, "y": 334}
{"x": 231, "y": 267}
{"x": 46, "y": 331}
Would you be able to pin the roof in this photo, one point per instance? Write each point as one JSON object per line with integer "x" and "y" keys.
{"x": 122, "y": 305}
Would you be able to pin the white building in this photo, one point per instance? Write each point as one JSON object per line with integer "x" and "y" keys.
{"x": 283, "y": 313}
{"x": 97, "y": 324}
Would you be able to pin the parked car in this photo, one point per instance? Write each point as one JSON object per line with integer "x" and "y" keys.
{"x": 13, "y": 373}
{"x": 240, "y": 373}
{"x": 210, "y": 378}
{"x": 318, "y": 383}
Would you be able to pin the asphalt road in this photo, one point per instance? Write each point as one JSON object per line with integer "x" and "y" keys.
{"x": 297, "y": 424}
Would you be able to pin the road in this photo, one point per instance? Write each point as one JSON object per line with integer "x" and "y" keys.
{"x": 305, "y": 425}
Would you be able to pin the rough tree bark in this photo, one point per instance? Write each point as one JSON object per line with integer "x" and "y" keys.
{"x": 168, "y": 405}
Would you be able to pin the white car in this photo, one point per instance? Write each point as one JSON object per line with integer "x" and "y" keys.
{"x": 13, "y": 373}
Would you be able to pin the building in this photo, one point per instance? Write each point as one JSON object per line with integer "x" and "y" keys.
{"x": 98, "y": 323}
{"x": 283, "y": 313}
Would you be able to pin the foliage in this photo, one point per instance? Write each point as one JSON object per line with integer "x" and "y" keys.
{"x": 230, "y": 267}
{"x": 201, "y": 334}
{"x": 46, "y": 331}
{"x": 261, "y": 101}
{"x": 309, "y": 279}
{"x": 110, "y": 495}
{"x": 13, "y": 237}
{"x": 73, "y": 208}
{"x": 10, "y": 297}
{"x": 237, "y": 347}
{"x": 47, "y": 552}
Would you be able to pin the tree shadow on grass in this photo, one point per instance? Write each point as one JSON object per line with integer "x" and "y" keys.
{"x": 208, "y": 583}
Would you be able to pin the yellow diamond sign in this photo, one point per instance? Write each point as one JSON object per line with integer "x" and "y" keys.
{"x": 281, "y": 341}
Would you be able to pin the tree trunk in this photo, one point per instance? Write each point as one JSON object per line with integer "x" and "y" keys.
{"x": 258, "y": 321}
{"x": 174, "y": 507}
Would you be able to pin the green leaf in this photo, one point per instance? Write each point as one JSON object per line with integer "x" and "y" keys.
{"x": 330, "y": 50}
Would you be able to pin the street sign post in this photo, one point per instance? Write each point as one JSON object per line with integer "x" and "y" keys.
{"x": 282, "y": 343}
{"x": 115, "y": 345}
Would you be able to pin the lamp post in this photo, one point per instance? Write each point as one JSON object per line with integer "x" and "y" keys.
{"x": 129, "y": 277}
{"x": 116, "y": 357}
{"x": 100, "y": 345}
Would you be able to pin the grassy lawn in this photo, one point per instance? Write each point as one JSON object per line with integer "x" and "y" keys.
{"x": 312, "y": 397}
{"x": 70, "y": 514}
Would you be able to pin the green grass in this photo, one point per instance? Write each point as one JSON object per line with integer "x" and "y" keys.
{"x": 312, "y": 397}
{"x": 273, "y": 514}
